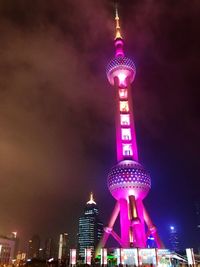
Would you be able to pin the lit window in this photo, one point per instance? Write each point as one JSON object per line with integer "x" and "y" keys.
{"x": 125, "y": 119}
{"x": 126, "y": 134}
{"x": 127, "y": 150}
{"x": 124, "y": 106}
{"x": 122, "y": 78}
{"x": 123, "y": 93}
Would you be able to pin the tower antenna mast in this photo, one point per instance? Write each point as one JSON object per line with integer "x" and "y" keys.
{"x": 117, "y": 24}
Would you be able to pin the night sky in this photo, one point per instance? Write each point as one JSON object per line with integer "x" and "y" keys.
{"x": 57, "y": 132}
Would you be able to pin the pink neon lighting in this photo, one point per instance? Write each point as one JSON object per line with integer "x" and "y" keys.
{"x": 119, "y": 48}
{"x": 119, "y": 65}
{"x": 128, "y": 181}
{"x": 72, "y": 256}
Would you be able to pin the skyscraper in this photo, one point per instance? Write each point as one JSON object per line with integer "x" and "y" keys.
{"x": 7, "y": 250}
{"x": 49, "y": 250}
{"x": 63, "y": 249}
{"x": 173, "y": 239}
{"x": 33, "y": 247}
{"x": 128, "y": 181}
{"x": 90, "y": 228}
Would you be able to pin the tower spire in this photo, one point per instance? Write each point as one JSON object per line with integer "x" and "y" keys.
{"x": 117, "y": 25}
{"x": 91, "y": 201}
{"x": 119, "y": 42}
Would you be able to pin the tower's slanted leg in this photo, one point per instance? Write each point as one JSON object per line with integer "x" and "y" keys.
{"x": 118, "y": 239}
{"x": 109, "y": 228}
{"x": 124, "y": 222}
{"x": 152, "y": 230}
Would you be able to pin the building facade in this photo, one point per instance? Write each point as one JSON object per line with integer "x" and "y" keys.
{"x": 63, "y": 248}
{"x": 7, "y": 250}
{"x": 90, "y": 228}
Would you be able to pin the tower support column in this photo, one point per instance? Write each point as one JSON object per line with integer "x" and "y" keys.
{"x": 152, "y": 229}
{"x": 124, "y": 222}
{"x": 109, "y": 228}
{"x": 139, "y": 228}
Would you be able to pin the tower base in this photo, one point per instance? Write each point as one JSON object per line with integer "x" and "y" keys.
{"x": 136, "y": 226}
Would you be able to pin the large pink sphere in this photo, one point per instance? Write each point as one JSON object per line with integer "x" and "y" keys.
{"x": 127, "y": 178}
{"x": 120, "y": 65}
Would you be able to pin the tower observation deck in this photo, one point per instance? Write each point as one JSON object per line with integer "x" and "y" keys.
{"x": 128, "y": 181}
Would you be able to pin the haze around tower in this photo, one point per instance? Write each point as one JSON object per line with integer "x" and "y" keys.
{"x": 56, "y": 110}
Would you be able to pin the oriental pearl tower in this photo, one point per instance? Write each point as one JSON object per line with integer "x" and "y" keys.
{"x": 128, "y": 181}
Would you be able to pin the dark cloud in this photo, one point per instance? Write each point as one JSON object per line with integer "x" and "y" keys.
{"x": 56, "y": 109}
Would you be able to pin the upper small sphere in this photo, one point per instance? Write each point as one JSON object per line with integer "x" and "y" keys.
{"x": 119, "y": 66}
{"x": 127, "y": 178}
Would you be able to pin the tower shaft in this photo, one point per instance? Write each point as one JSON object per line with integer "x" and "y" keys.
{"x": 125, "y": 128}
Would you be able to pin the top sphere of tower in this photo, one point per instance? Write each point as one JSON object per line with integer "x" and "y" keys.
{"x": 121, "y": 67}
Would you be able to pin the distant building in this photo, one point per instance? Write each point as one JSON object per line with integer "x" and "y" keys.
{"x": 63, "y": 249}
{"x": 13, "y": 236}
{"x": 173, "y": 239}
{"x": 20, "y": 258}
{"x": 49, "y": 250}
{"x": 7, "y": 250}
{"x": 34, "y": 247}
{"x": 41, "y": 254}
{"x": 151, "y": 242}
{"x": 197, "y": 213}
{"x": 90, "y": 228}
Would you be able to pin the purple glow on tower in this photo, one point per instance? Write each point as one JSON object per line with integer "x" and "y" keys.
{"x": 128, "y": 181}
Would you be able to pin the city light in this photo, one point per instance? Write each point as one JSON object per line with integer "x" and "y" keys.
{"x": 72, "y": 256}
{"x": 15, "y": 234}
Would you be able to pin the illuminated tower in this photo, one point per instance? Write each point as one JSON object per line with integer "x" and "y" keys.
{"x": 128, "y": 181}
